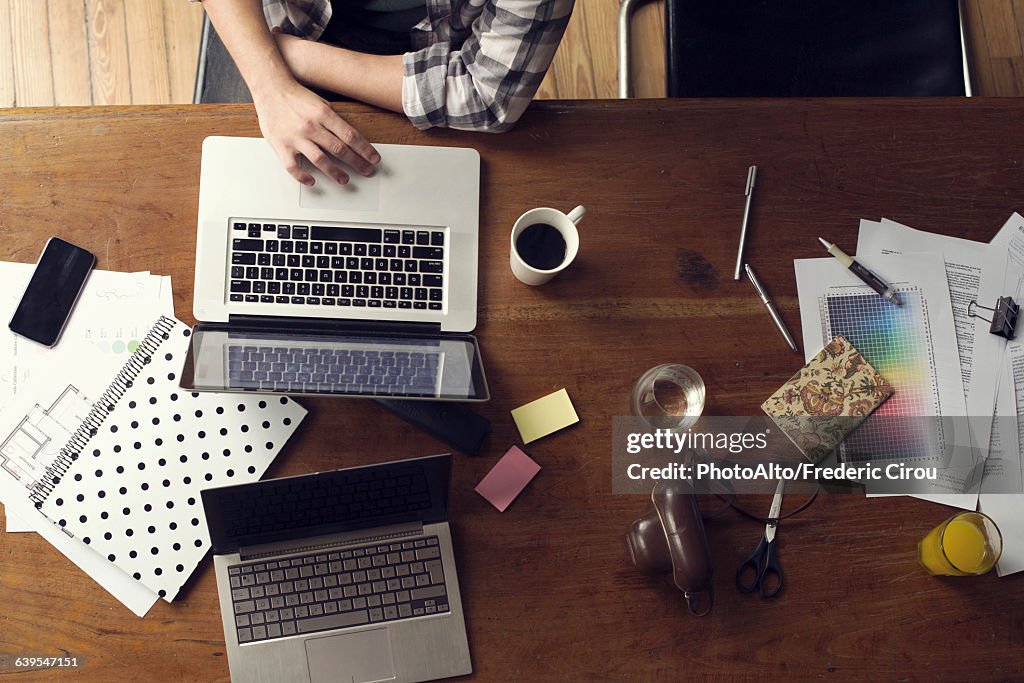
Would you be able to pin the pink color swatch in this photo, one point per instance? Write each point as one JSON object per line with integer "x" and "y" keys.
{"x": 507, "y": 478}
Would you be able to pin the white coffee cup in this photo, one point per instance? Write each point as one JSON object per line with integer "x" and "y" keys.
{"x": 566, "y": 226}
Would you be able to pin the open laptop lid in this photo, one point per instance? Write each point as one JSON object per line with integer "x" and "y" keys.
{"x": 286, "y": 509}
{"x": 297, "y": 356}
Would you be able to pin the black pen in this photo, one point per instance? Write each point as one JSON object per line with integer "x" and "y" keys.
{"x": 867, "y": 277}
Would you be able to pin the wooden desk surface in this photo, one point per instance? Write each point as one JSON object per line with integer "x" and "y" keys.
{"x": 548, "y": 588}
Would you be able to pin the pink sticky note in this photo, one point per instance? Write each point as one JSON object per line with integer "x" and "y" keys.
{"x": 507, "y": 478}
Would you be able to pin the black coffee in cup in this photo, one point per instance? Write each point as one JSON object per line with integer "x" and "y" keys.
{"x": 541, "y": 246}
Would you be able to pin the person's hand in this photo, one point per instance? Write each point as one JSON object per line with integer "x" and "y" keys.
{"x": 296, "y": 121}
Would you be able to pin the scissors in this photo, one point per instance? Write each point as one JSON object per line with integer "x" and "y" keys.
{"x": 763, "y": 563}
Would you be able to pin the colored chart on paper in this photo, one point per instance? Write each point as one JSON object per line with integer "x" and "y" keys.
{"x": 897, "y": 341}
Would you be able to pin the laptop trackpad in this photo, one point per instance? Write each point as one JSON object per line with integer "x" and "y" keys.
{"x": 362, "y": 657}
{"x": 360, "y": 194}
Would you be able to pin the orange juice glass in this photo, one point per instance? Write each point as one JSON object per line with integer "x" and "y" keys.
{"x": 966, "y": 544}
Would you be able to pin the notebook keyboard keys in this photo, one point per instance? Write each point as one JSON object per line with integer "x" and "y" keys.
{"x": 332, "y": 621}
{"x": 372, "y": 593}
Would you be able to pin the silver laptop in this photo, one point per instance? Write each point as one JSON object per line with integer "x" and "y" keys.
{"x": 340, "y": 576}
{"x": 365, "y": 289}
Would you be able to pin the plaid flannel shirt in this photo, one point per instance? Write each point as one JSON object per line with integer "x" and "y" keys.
{"x": 476, "y": 64}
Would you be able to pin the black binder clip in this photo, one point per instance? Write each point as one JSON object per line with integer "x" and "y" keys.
{"x": 1004, "y": 316}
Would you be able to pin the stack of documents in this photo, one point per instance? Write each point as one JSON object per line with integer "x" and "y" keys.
{"x": 113, "y": 313}
{"x": 939, "y": 355}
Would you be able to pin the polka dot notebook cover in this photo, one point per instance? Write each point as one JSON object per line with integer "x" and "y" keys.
{"x": 128, "y": 482}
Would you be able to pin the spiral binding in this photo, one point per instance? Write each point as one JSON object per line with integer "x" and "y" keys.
{"x": 90, "y": 426}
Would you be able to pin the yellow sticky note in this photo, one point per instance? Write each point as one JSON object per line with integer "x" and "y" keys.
{"x": 544, "y": 416}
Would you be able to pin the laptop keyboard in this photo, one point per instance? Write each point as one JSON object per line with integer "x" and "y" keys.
{"x": 317, "y": 370}
{"x": 325, "y": 591}
{"x": 317, "y": 265}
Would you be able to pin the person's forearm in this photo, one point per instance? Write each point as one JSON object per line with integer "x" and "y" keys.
{"x": 374, "y": 79}
{"x": 243, "y": 29}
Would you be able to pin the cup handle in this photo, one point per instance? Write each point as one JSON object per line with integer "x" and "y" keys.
{"x": 577, "y": 214}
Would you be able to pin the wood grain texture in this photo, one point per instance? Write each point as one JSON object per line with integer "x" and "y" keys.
{"x": 575, "y": 73}
{"x": 649, "y": 50}
{"x": 1002, "y": 35}
{"x": 7, "y": 89}
{"x": 69, "y": 52}
{"x": 184, "y": 25}
{"x": 109, "y": 66}
{"x": 147, "y": 52}
{"x": 548, "y": 588}
{"x": 601, "y": 24}
{"x": 548, "y": 89}
{"x": 30, "y": 44}
{"x": 977, "y": 54}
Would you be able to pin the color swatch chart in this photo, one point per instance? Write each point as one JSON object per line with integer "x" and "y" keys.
{"x": 897, "y": 341}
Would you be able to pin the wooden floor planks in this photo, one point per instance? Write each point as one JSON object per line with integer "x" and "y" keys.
{"x": 30, "y": 42}
{"x": 69, "y": 53}
{"x": 108, "y": 52}
{"x": 75, "y": 52}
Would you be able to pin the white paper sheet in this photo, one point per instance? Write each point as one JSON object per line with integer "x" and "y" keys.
{"x": 1003, "y": 473}
{"x": 921, "y": 281}
{"x": 112, "y": 314}
{"x": 1006, "y": 507}
{"x": 154, "y": 453}
{"x": 974, "y": 272}
{"x": 16, "y": 476}
{"x": 142, "y": 470}
{"x": 1011, "y": 238}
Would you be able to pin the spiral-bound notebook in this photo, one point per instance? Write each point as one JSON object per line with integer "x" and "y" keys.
{"x": 128, "y": 481}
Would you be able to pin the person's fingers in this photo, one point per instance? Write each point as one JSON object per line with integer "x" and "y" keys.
{"x": 322, "y": 160}
{"x": 289, "y": 159}
{"x": 352, "y": 139}
{"x": 331, "y": 144}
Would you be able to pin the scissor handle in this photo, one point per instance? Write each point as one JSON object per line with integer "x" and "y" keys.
{"x": 769, "y": 583}
{"x": 748, "y": 575}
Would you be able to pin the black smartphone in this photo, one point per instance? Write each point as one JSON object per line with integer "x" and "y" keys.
{"x": 52, "y": 292}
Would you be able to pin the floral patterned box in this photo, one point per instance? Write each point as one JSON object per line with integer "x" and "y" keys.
{"x": 827, "y": 399}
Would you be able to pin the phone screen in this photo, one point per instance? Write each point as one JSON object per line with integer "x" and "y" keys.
{"x": 52, "y": 292}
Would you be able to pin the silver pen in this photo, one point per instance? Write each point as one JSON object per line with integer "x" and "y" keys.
{"x": 771, "y": 308}
{"x": 751, "y": 177}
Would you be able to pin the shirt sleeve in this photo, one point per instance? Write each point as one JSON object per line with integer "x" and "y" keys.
{"x": 487, "y": 82}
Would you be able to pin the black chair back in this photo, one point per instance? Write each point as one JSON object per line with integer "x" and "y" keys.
{"x": 813, "y": 48}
